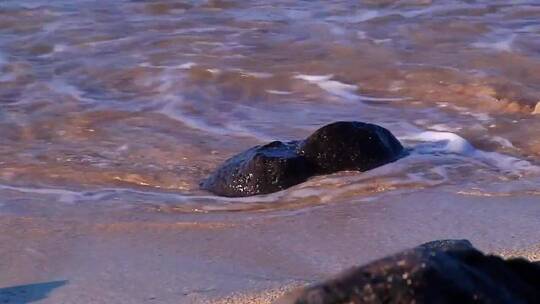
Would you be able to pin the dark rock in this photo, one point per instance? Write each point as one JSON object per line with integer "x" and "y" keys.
{"x": 277, "y": 165}
{"x": 446, "y": 245}
{"x": 259, "y": 170}
{"x": 436, "y": 272}
{"x": 350, "y": 145}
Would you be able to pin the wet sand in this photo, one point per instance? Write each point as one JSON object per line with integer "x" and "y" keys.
{"x": 248, "y": 258}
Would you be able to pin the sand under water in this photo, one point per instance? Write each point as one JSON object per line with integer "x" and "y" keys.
{"x": 111, "y": 115}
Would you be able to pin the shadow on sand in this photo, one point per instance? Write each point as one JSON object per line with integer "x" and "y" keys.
{"x": 28, "y": 293}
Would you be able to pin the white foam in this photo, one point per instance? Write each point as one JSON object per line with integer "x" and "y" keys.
{"x": 503, "y": 142}
{"x": 72, "y": 197}
{"x": 46, "y": 191}
{"x": 58, "y": 48}
{"x": 257, "y": 74}
{"x": 444, "y": 128}
{"x": 210, "y": 43}
{"x": 366, "y": 15}
{"x": 314, "y": 78}
{"x": 484, "y": 117}
{"x": 441, "y": 142}
{"x": 430, "y": 10}
{"x": 276, "y": 92}
{"x": 253, "y": 74}
{"x": 333, "y": 87}
{"x": 381, "y": 41}
{"x": 361, "y": 16}
{"x": 198, "y": 30}
{"x": 480, "y": 116}
{"x": 214, "y": 71}
{"x": 361, "y": 35}
{"x": 183, "y": 66}
{"x": 370, "y": 98}
{"x": 102, "y": 42}
{"x": 172, "y": 109}
{"x": 171, "y": 106}
{"x": 501, "y": 45}
{"x": 451, "y": 143}
{"x": 340, "y": 89}
{"x": 65, "y": 88}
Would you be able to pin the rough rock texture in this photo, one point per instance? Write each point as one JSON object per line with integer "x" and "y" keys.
{"x": 259, "y": 170}
{"x": 436, "y": 272}
{"x": 278, "y": 165}
{"x": 350, "y": 145}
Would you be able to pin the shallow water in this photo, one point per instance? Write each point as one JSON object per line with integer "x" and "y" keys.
{"x": 130, "y": 105}
{"x": 111, "y": 115}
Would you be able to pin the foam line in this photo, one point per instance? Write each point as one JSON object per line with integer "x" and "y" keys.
{"x": 451, "y": 143}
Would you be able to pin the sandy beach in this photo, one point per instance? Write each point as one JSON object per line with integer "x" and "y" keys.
{"x": 245, "y": 258}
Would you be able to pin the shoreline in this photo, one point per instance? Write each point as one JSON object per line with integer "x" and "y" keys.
{"x": 247, "y": 257}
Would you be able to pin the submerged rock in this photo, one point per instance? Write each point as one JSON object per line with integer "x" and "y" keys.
{"x": 437, "y": 272}
{"x": 276, "y": 166}
{"x": 259, "y": 170}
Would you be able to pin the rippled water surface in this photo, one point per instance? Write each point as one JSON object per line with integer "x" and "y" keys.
{"x": 128, "y": 105}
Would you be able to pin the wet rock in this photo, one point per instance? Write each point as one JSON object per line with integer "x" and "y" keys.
{"x": 437, "y": 272}
{"x": 350, "y": 145}
{"x": 446, "y": 245}
{"x": 259, "y": 170}
{"x": 278, "y": 165}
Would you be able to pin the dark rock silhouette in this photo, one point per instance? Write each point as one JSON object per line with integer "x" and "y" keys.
{"x": 278, "y": 165}
{"x": 350, "y": 145}
{"x": 449, "y": 271}
{"x": 261, "y": 169}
